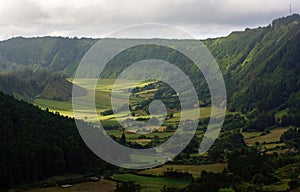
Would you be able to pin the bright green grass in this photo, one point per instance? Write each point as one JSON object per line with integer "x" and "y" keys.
{"x": 109, "y": 84}
{"x": 103, "y": 101}
{"x": 55, "y": 105}
{"x": 204, "y": 113}
{"x": 62, "y": 107}
{"x": 195, "y": 170}
{"x": 151, "y": 184}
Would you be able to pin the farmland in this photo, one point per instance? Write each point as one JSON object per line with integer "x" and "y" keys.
{"x": 103, "y": 92}
{"x": 103, "y": 185}
{"x": 150, "y": 184}
{"x": 272, "y": 137}
{"x": 195, "y": 170}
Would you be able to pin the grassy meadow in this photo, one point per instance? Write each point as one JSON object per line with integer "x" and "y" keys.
{"x": 272, "y": 137}
{"x": 103, "y": 92}
{"x": 150, "y": 184}
{"x": 195, "y": 170}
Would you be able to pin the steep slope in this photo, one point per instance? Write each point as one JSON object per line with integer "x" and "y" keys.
{"x": 35, "y": 144}
{"x": 260, "y": 66}
{"x": 27, "y": 85}
{"x": 268, "y": 73}
{"x": 51, "y": 53}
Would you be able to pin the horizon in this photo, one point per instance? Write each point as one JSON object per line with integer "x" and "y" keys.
{"x": 98, "y": 19}
{"x": 146, "y": 38}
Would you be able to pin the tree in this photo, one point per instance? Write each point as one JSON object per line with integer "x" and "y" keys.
{"x": 294, "y": 183}
{"x": 128, "y": 186}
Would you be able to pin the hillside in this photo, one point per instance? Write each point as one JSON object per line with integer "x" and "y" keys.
{"x": 260, "y": 66}
{"x": 51, "y": 53}
{"x": 35, "y": 144}
{"x": 261, "y": 69}
{"x": 27, "y": 85}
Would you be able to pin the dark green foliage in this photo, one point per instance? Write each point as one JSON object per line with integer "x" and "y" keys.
{"x": 259, "y": 121}
{"x": 51, "y": 53}
{"x": 227, "y": 141}
{"x": 128, "y": 186}
{"x": 269, "y": 74}
{"x": 171, "y": 189}
{"x": 27, "y": 85}
{"x": 292, "y": 137}
{"x": 234, "y": 121}
{"x": 294, "y": 183}
{"x": 193, "y": 146}
{"x": 210, "y": 182}
{"x": 170, "y": 173}
{"x": 107, "y": 112}
{"x": 35, "y": 144}
{"x": 252, "y": 165}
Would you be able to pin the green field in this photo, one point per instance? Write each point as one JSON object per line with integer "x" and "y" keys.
{"x": 133, "y": 136}
{"x": 273, "y": 136}
{"x": 103, "y": 185}
{"x": 204, "y": 113}
{"x": 150, "y": 184}
{"x": 273, "y": 145}
{"x": 195, "y": 170}
{"x": 64, "y": 108}
{"x": 103, "y": 102}
{"x": 102, "y": 96}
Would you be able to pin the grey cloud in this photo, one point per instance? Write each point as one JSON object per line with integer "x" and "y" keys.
{"x": 99, "y": 17}
{"x": 20, "y": 12}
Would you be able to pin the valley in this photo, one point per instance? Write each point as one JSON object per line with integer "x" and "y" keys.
{"x": 258, "y": 148}
{"x": 103, "y": 104}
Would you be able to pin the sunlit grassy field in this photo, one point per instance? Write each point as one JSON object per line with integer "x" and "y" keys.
{"x": 195, "y": 170}
{"x": 273, "y": 136}
{"x": 103, "y": 93}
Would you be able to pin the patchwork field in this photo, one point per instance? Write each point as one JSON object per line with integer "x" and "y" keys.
{"x": 273, "y": 136}
{"x": 150, "y": 184}
{"x": 195, "y": 170}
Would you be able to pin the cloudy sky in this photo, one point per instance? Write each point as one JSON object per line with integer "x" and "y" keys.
{"x": 98, "y": 18}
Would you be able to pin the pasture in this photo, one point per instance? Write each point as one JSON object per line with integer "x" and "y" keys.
{"x": 195, "y": 170}
{"x": 103, "y": 185}
{"x": 150, "y": 184}
{"x": 272, "y": 137}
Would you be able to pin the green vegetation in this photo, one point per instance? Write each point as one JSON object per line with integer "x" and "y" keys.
{"x": 50, "y": 53}
{"x": 257, "y": 150}
{"x": 103, "y": 184}
{"x": 291, "y": 137}
{"x": 272, "y": 137}
{"x": 150, "y": 184}
{"x": 62, "y": 107}
{"x": 28, "y": 85}
{"x": 26, "y": 152}
{"x": 195, "y": 170}
{"x": 260, "y": 68}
